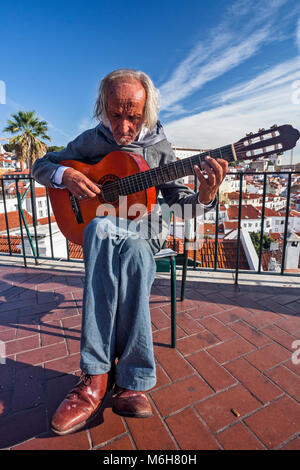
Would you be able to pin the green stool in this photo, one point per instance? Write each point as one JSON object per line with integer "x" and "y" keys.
{"x": 166, "y": 262}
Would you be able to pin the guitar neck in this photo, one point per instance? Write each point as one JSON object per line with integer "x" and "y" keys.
{"x": 171, "y": 171}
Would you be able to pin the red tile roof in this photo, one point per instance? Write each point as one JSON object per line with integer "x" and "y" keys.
{"x": 294, "y": 213}
{"x": 39, "y": 192}
{"x": 230, "y": 225}
{"x": 13, "y": 220}
{"x": 234, "y": 195}
{"x": 276, "y": 236}
{"x": 268, "y": 212}
{"x": 205, "y": 254}
{"x": 17, "y": 172}
{"x": 44, "y": 220}
{"x": 75, "y": 251}
{"x": 247, "y": 212}
{"x": 209, "y": 229}
{"x": 15, "y": 240}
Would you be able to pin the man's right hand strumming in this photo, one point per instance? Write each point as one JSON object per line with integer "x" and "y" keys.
{"x": 79, "y": 185}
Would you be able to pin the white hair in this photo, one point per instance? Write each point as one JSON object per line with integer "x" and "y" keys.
{"x": 152, "y": 95}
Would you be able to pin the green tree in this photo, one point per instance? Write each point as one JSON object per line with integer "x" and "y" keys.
{"x": 54, "y": 148}
{"x": 255, "y": 237}
{"x": 9, "y": 147}
{"x": 28, "y": 133}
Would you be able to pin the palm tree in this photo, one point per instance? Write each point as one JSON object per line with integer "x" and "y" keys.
{"x": 27, "y": 132}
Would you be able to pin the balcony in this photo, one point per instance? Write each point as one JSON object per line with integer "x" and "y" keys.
{"x": 231, "y": 383}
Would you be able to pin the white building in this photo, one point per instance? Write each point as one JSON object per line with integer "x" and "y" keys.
{"x": 231, "y": 183}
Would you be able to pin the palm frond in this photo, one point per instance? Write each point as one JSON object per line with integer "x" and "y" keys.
{"x": 28, "y": 143}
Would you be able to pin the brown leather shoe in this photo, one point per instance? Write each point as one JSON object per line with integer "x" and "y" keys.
{"x": 82, "y": 403}
{"x": 131, "y": 403}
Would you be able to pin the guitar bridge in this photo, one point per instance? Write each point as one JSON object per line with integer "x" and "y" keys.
{"x": 76, "y": 208}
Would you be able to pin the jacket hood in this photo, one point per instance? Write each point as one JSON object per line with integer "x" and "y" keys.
{"x": 148, "y": 138}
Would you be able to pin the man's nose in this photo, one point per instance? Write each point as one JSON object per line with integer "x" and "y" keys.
{"x": 125, "y": 126}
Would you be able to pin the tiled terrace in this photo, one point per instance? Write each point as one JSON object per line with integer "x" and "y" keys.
{"x": 234, "y": 352}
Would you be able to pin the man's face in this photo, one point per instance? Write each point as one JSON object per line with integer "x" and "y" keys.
{"x": 125, "y": 110}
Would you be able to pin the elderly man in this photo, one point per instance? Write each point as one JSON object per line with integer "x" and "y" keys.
{"x": 116, "y": 339}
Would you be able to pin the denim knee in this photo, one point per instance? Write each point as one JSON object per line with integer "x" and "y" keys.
{"x": 137, "y": 248}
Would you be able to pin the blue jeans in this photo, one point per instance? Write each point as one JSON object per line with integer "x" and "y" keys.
{"x": 119, "y": 272}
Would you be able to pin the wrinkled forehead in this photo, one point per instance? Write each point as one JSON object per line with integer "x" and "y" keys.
{"x": 126, "y": 90}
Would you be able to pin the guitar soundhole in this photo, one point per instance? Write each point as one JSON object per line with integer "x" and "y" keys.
{"x": 110, "y": 190}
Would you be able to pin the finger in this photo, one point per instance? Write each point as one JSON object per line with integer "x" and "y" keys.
{"x": 86, "y": 192}
{"x": 211, "y": 176}
{"x": 80, "y": 190}
{"x": 87, "y": 187}
{"x": 200, "y": 175}
{"x": 224, "y": 165}
{"x": 83, "y": 182}
{"x": 93, "y": 186}
{"x": 217, "y": 169}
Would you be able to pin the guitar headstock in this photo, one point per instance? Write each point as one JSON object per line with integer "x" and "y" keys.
{"x": 272, "y": 141}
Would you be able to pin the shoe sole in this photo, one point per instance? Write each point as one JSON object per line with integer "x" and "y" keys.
{"x": 127, "y": 414}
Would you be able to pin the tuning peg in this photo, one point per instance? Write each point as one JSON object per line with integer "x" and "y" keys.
{"x": 249, "y": 134}
{"x": 273, "y": 127}
{"x": 261, "y": 130}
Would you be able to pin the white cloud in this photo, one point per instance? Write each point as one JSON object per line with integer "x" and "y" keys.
{"x": 261, "y": 102}
{"x": 279, "y": 75}
{"x": 243, "y": 30}
{"x": 190, "y": 77}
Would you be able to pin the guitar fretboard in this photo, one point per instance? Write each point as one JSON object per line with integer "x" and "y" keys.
{"x": 169, "y": 172}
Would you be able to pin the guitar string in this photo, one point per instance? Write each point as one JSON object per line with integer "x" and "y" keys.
{"x": 130, "y": 186}
{"x": 131, "y": 183}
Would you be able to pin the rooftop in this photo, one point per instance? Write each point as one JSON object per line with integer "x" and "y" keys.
{"x": 13, "y": 219}
{"x": 234, "y": 195}
{"x": 231, "y": 383}
{"x": 247, "y": 212}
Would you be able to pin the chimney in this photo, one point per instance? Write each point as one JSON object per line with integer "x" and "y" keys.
{"x": 292, "y": 251}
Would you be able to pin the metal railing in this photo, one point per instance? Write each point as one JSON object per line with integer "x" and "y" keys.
{"x": 31, "y": 231}
{"x": 25, "y": 225}
{"x": 237, "y": 270}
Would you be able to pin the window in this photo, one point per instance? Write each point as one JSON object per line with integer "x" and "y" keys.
{"x": 40, "y": 213}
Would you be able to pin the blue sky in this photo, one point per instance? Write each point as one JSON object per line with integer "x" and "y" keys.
{"x": 223, "y": 68}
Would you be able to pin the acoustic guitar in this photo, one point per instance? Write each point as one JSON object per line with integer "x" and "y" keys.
{"x": 121, "y": 174}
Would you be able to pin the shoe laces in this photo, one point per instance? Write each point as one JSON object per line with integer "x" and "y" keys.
{"x": 85, "y": 379}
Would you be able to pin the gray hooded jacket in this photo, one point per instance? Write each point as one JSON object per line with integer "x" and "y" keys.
{"x": 94, "y": 144}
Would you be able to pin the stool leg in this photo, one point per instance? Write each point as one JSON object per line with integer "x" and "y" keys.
{"x": 184, "y": 269}
{"x": 173, "y": 300}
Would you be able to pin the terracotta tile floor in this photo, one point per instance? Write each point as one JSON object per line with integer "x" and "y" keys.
{"x": 231, "y": 383}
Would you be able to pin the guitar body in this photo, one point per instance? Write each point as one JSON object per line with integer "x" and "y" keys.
{"x": 112, "y": 167}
